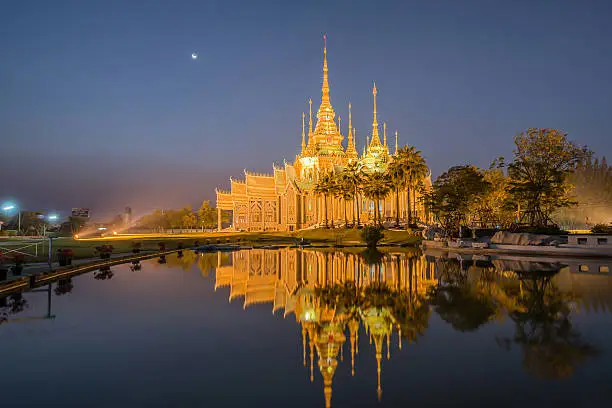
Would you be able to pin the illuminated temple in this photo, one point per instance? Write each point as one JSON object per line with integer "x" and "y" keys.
{"x": 285, "y": 200}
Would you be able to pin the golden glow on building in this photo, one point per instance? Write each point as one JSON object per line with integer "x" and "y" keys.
{"x": 284, "y": 200}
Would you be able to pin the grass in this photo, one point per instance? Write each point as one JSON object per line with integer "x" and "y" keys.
{"x": 86, "y": 247}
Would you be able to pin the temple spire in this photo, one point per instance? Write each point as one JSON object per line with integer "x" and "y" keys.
{"x": 310, "y": 120}
{"x": 396, "y": 144}
{"x": 375, "y": 137}
{"x": 325, "y": 87}
{"x": 351, "y": 151}
{"x": 385, "y": 134}
{"x": 303, "y": 133}
{"x": 339, "y": 121}
{"x": 350, "y": 125}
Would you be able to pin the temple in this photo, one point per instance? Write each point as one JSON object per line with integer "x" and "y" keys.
{"x": 285, "y": 200}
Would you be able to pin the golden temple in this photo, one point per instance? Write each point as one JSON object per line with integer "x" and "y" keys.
{"x": 285, "y": 200}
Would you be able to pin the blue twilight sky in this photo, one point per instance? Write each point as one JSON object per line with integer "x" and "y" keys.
{"x": 102, "y": 106}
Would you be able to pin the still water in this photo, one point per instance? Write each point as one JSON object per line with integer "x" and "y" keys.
{"x": 306, "y": 328}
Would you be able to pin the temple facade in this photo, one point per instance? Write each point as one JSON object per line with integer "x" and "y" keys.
{"x": 285, "y": 200}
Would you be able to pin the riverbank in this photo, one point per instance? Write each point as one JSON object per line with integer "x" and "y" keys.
{"x": 85, "y": 248}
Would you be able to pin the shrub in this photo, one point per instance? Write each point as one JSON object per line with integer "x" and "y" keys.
{"x": 371, "y": 235}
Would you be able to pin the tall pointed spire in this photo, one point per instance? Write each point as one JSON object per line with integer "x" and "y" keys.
{"x": 325, "y": 87}
{"x": 339, "y": 121}
{"x": 396, "y": 144}
{"x": 350, "y": 120}
{"x": 310, "y": 120}
{"x": 385, "y": 134}
{"x": 351, "y": 151}
{"x": 303, "y": 133}
{"x": 326, "y": 133}
{"x": 375, "y": 137}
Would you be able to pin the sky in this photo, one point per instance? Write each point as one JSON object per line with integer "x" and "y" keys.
{"x": 102, "y": 106}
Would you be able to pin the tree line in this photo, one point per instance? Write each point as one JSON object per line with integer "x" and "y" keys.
{"x": 529, "y": 192}
{"x": 186, "y": 218}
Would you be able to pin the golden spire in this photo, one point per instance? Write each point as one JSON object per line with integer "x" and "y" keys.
{"x": 310, "y": 120}
{"x": 325, "y": 87}
{"x": 303, "y": 134}
{"x": 375, "y": 137}
{"x": 311, "y": 358}
{"x": 399, "y": 334}
{"x": 350, "y": 120}
{"x": 385, "y": 134}
{"x": 351, "y": 151}
{"x": 326, "y": 131}
{"x": 339, "y": 121}
{"x": 304, "y": 343}
{"x": 396, "y": 145}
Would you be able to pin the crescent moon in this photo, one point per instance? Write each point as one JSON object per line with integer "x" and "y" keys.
{"x": 194, "y": 56}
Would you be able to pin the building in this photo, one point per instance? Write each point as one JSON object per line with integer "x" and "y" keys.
{"x": 285, "y": 199}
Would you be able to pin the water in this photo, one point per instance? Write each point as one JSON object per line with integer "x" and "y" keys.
{"x": 230, "y": 330}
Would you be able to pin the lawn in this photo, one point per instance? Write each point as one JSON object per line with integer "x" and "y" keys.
{"x": 86, "y": 247}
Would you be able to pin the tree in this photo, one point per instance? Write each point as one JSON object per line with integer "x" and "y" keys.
{"x": 207, "y": 215}
{"x": 492, "y": 209}
{"x": 344, "y": 191}
{"x": 189, "y": 220}
{"x": 415, "y": 170}
{"x": 33, "y": 222}
{"x": 543, "y": 161}
{"x": 353, "y": 176}
{"x": 453, "y": 193}
{"x": 397, "y": 172}
{"x": 376, "y": 187}
{"x": 324, "y": 187}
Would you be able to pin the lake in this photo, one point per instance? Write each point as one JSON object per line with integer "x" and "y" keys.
{"x": 314, "y": 328}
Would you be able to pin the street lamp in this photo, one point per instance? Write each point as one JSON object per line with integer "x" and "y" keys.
{"x": 9, "y": 207}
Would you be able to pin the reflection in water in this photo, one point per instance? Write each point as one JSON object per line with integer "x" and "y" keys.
{"x": 63, "y": 286}
{"x": 333, "y": 294}
{"x": 104, "y": 273}
{"x": 551, "y": 346}
{"x": 390, "y": 296}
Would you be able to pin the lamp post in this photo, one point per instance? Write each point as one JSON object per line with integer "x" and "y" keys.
{"x": 11, "y": 206}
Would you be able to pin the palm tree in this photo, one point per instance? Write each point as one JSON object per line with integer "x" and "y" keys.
{"x": 376, "y": 187}
{"x": 344, "y": 190}
{"x": 396, "y": 171}
{"x": 415, "y": 170}
{"x": 324, "y": 187}
{"x": 353, "y": 176}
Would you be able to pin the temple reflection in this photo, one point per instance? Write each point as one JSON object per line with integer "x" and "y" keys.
{"x": 333, "y": 294}
{"x": 390, "y": 295}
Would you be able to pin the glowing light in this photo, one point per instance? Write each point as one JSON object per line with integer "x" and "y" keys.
{"x": 101, "y": 228}
{"x": 8, "y": 207}
{"x": 76, "y": 236}
{"x": 114, "y": 232}
{"x": 194, "y": 56}
{"x": 52, "y": 217}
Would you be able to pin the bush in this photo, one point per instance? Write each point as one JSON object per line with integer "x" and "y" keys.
{"x": 371, "y": 235}
{"x": 602, "y": 229}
